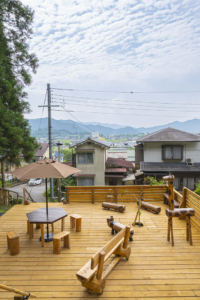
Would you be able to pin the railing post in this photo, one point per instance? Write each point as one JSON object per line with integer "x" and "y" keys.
{"x": 115, "y": 194}
{"x": 183, "y": 205}
{"x": 67, "y": 194}
{"x": 92, "y": 195}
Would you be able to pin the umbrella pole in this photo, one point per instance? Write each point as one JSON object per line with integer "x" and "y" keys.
{"x": 49, "y": 236}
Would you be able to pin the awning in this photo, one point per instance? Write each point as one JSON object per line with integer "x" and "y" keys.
{"x": 129, "y": 177}
{"x": 138, "y": 174}
{"x": 83, "y": 175}
{"x": 114, "y": 176}
{"x": 85, "y": 150}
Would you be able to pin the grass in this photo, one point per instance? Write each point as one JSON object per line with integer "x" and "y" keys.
{"x": 5, "y": 208}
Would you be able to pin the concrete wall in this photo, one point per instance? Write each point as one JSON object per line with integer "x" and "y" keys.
{"x": 153, "y": 151}
{"x": 98, "y": 166}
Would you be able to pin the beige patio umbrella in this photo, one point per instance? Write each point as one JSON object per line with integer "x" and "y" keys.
{"x": 45, "y": 168}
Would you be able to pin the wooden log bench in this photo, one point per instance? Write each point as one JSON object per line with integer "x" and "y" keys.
{"x": 92, "y": 275}
{"x": 13, "y": 242}
{"x": 56, "y": 241}
{"x": 75, "y": 222}
{"x": 116, "y": 207}
{"x": 150, "y": 207}
{"x": 117, "y": 227}
{"x": 109, "y": 198}
{"x": 166, "y": 201}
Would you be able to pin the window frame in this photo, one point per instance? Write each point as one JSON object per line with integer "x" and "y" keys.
{"x": 85, "y": 160}
{"x": 172, "y": 146}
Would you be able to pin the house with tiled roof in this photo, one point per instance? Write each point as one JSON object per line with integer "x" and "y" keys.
{"x": 39, "y": 154}
{"x": 169, "y": 151}
{"x": 90, "y": 156}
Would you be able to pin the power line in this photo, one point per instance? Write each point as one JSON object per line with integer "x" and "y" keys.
{"x": 125, "y": 92}
{"x": 78, "y": 120}
{"x": 166, "y": 108}
{"x": 126, "y": 108}
{"x": 120, "y": 113}
{"x": 119, "y": 100}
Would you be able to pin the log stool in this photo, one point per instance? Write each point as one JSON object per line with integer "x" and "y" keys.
{"x": 177, "y": 212}
{"x": 13, "y": 242}
{"x": 56, "y": 241}
{"x": 75, "y": 221}
{"x": 109, "y": 198}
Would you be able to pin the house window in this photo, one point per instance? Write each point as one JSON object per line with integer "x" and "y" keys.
{"x": 176, "y": 183}
{"x": 188, "y": 182}
{"x": 85, "y": 158}
{"x": 172, "y": 152}
{"x": 85, "y": 181}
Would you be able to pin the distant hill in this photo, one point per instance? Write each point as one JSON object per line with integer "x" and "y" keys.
{"x": 70, "y": 126}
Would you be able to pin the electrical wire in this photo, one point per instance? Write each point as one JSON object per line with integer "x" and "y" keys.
{"x": 125, "y": 92}
{"x": 119, "y": 100}
{"x": 120, "y": 113}
{"x": 127, "y": 107}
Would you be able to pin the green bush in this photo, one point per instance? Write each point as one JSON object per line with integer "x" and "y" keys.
{"x": 197, "y": 191}
{"x": 153, "y": 181}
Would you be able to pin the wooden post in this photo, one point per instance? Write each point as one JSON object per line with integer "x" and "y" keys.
{"x": 171, "y": 194}
{"x": 100, "y": 266}
{"x": 128, "y": 228}
{"x": 24, "y": 193}
{"x": 67, "y": 194}
{"x": 59, "y": 189}
{"x": 0, "y": 195}
{"x": 115, "y": 194}
{"x": 183, "y": 204}
{"x": 92, "y": 195}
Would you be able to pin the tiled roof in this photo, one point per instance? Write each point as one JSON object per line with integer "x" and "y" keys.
{"x": 83, "y": 175}
{"x": 119, "y": 162}
{"x": 40, "y": 152}
{"x": 169, "y": 135}
{"x": 170, "y": 167}
{"x": 115, "y": 170}
{"x": 94, "y": 140}
{"x": 57, "y": 155}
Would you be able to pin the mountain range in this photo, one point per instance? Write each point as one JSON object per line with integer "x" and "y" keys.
{"x": 69, "y": 126}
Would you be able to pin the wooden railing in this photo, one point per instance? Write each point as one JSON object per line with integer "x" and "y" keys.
{"x": 121, "y": 193}
{"x": 193, "y": 201}
{"x": 179, "y": 198}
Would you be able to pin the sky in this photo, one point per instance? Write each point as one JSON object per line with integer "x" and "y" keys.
{"x": 101, "y": 53}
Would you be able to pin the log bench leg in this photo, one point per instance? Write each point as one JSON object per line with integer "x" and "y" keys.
{"x": 37, "y": 226}
{"x": 78, "y": 225}
{"x": 63, "y": 224}
{"x": 56, "y": 246}
{"x": 72, "y": 222}
{"x": 30, "y": 230}
{"x": 66, "y": 241}
{"x": 42, "y": 234}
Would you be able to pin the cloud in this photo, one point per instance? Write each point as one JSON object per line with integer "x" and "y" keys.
{"x": 115, "y": 44}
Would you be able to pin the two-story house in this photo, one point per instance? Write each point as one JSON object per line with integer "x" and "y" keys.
{"x": 97, "y": 168}
{"x": 170, "y": 150}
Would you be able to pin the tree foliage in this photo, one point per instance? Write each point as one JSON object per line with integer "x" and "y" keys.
{"x": 16, "y": 65}
{"x": 153, "y": 181}
{"x": 67, "y": 154}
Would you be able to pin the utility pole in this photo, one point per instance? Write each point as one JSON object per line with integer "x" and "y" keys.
{"x": 58, "y": 180}
{"x": 49, "y": 130}
{"x": 50, "y": 135}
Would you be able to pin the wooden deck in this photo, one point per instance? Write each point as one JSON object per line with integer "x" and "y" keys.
{"x": 155, "y": 270}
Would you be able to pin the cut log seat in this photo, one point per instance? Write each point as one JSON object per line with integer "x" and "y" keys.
{"x": 92, "y": 275}
{"x": 117, "y": 227}
{"x": 116, "y": 207}
{"x": 150, "y": 207}
{"x": 166, "y": 201}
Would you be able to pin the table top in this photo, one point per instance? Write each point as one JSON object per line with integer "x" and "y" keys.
{"x": 39, "y": 216}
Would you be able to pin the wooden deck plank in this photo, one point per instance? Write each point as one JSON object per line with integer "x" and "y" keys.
{"x": 154, "y": 270}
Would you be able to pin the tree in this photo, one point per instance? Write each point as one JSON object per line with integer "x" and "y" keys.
{"x": 16, "y": 63}
{"x": 67, "y": 154}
